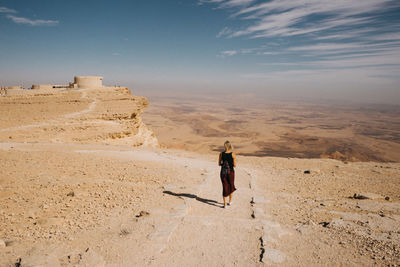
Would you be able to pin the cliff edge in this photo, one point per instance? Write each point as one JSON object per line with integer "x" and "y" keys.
{"x": 108, "y": 115}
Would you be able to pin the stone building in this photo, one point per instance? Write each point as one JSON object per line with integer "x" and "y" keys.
{"x": 87, "y": 82}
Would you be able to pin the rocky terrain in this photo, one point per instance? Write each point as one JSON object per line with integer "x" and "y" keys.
{"x": 107, "y": 116}
{"x": 90, "y": 195}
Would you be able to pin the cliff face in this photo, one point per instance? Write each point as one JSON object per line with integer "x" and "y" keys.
{"x": 106, "y": 116}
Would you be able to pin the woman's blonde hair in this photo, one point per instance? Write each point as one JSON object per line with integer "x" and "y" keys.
{"x": 228, "y": 146}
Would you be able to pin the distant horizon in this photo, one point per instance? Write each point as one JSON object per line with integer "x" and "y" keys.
{"x": 197, "y": 92}
{"x": 338, "y": 50}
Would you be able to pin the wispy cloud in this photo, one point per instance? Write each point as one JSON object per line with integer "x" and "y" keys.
{"x": 283, "y": 17}
{"x": 36, "y": 22}
{"x": 7, "y": 10}
{"x": 24, "y": 20}
{"x": 315, "y": 36}
{"x": 224, "y": 32}
{"x": 229, "y": 53}
{"x": 234, "y": 3}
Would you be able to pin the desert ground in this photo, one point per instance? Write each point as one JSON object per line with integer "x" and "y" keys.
{"x": 262, "y": 127}
{"x": 95, "y": 177}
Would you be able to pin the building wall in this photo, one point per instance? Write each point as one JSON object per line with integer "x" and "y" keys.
{"x": 88, "y": 81}
{"x": 42, "y": 86}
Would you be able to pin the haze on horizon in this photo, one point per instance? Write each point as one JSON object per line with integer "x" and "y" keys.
{"x": 306, "y": 48}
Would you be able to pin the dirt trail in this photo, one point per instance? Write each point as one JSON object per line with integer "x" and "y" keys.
{"x": 197, "y": 230}
{"x": 185, "y": 226}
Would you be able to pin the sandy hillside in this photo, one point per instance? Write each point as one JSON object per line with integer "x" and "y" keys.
{"x": 85, "y": 196}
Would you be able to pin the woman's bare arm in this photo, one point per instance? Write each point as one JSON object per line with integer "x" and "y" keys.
{"x": 234, "y": 159}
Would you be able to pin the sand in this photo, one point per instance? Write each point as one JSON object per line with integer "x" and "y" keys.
{"x": 83, "y": 196}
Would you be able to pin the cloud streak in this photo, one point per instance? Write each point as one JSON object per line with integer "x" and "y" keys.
{"x": 229, "y": 53}
{"x": 37, "y": 22}
{"x": 318, "y": 36}
{"x": 26, "y": 21}
{"x": 7, "y": 10}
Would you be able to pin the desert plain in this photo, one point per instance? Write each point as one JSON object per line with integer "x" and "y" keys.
{"x": 101, "y": 177}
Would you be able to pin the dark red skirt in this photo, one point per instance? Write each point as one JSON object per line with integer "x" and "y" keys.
{"x": 228, "y": 183}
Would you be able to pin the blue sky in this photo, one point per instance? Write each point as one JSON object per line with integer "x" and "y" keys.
{"x": 342, "y": 49}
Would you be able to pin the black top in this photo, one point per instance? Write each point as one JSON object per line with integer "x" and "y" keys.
{"x": 229, "y": 158}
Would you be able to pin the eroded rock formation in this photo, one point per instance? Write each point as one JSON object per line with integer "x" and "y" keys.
{"x": 106, "y": 115}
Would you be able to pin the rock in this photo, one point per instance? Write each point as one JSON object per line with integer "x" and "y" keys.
{"x": 2, "y": 243}
{"x": 143, "y": 213}
{"x": 387, "y": 198}
{"x": 307, "y": 172}
{"x": 71, "y": 194}
{"x": 366, "y": 196}
{"x": 358, "y": 196}
{"x": 324, "y": 224}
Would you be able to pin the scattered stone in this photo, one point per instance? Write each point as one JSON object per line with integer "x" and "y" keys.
{"x": 142, "y": 213}
{"x": 387, "y": 198}
{"x": 324, "y": 224}
{"x": 307, "y": 172}
{"x": 367, "y": 196}
{"x": 71, "y": 194}
{"x": 358, "y": 196}
{"x": 124, "y": 232}
{"x": 2, "y": 243}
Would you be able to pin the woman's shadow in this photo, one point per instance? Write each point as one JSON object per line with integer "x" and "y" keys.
{"x": 204, "y": 200}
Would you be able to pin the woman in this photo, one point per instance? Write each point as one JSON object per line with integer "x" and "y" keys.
{"x": 227, "y": 161}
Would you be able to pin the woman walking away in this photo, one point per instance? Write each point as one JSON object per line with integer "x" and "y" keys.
{"x": 227, "y": 161}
